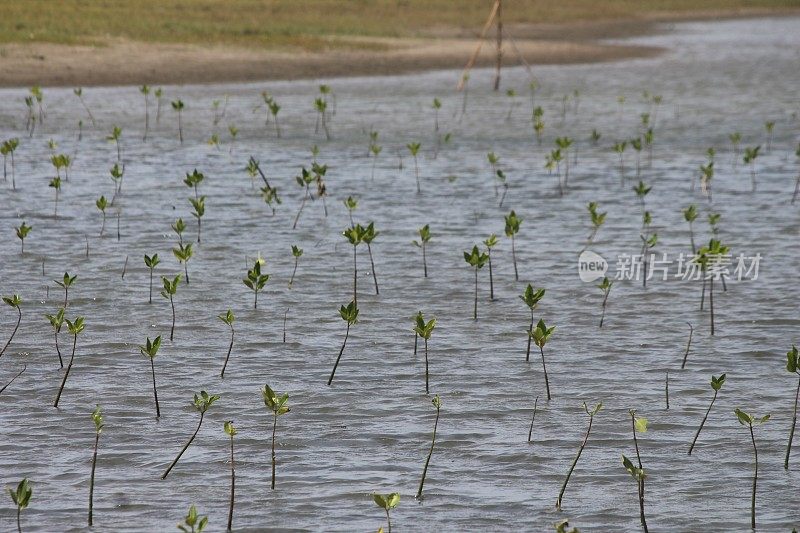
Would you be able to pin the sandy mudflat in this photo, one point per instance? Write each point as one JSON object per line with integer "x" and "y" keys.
{"x": 120, "y": 62}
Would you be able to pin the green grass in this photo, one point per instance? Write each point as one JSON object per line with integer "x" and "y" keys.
{"x": 305, "y": 24}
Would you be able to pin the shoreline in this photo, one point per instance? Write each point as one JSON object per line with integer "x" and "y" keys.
{"x": 122, "y": 62}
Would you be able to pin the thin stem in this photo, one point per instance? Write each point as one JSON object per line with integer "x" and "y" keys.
{"x": 491, "y": 277}
{"x": 530, "y": 336}
{"x": 755, "y": 480}
{"x": 66, "y": 374}
{"x": 155, "y": 391}
{"x": 424, "y": 262}
{"x": 544, "y": 368}
{"x": 355, "y": 275}
{"x": 791, "y": 432}
{"x": 427, "y": 391}
{"x": 703, "y": 422}
{"x": 603, "y": 313}
{"x": 374, "y": 275}
{"x": 172, "y": 331}
{"x": 688, "y": 345}
{"x": 347, "y": 333}
{"x": 514, "y": 257}
{"x": 274, "y": 461}
{"x": 475, "y": 310}
{"x": 185, "y": 447}
{"x": 151, "y": 286}
{"x": 233, "y": 488}
{"x": 711, "y": 301}
{"x": 291, "y": 281}
{"x": 533, "y": 418}
{"x": 430, "y": 453}
{"x": 575, "y": 462}
{"x": 91, "y": 479}
{"x": 230, "y": 347}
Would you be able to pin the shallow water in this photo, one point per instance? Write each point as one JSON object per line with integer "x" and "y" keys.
{"x": 371, "y": 430}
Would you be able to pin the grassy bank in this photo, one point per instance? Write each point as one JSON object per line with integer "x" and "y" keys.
{"x": 313, "y": 25}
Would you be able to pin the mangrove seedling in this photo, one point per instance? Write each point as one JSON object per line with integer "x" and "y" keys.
{"x": 179, "y": 227}
{"x": 183, "y": 253}
{"x": 150, "y": 350}
{"x": 415, "y": 319}
{"x": 793, "y": 366}
{"x": 255, "y": 281}
{"x": 322, "y": 112}
{"x": 117, "y": 173}
{"x": 279, "y": 405}
{"x": 55, "y": 183}
{"x": 355, "y": 235}
{"x": 749, "y": 421}
{"x": 351, "y": 204}
{"x": 319, "y": 177}
{"x": 193, "y": 180}
{"x": 770, "y": 127}
{"x": 158, "y": 93}
{"x": 706, "y": 175}
{"x": 368, "y": 236}
{"x": 230, "y": 430}
{"x": 638, "y": 425}
{"x": 512, "y": 228}
{"x": 101, "y": 204}
{"x": 177, "y": 106}
{"x": 15, "y": 302}
{"x": 22, "y": 232}
{"x": 490, "y": 242}
{"x": 97, "y": 418}
{"x": 493, "y": 160}
{"x": 476, "y": 259}
{"x": 641, "y": 191}
{"x": 531, "y": 297}
{"x": 437, "y": 403}
{"x": 387, "y": 502}
{"x": 564, "y": 144}
{"x": 619, "y": 148}
{"x": 598, "y": 219}
{"x": 591, "y": 412}
{"x": 604, "y": 286}
{"x": 304, "y": 179}
{"x": 538, "y": 128}
{"x": 273, "y": 109}
{"x": 541, "y": 334}
{"x": 193, "y": 523}
{"x": 79, "y": 93}
{"x": 636, "y": 144}
{"x": 424, "y": 237}
{"x": 228, "y": 318}
{"x": 296, "y": 253}
{"x": 199, "y": 206}
{"x": 7, "y": 149}
{"x": 710, "y": 257}
{"x": 151, "y": 263}
{"x": 375, "y": 149}
{"x": 169, "y": 291}
{"x": 202, "y": 403}
{"x": 716, "y": 385}
{"x": 797, "y": 182}
{"x": 74, "y": 328}
{"x": 349, "y": 314}
{"x": 116, "y": 136}
{"x": 690, "y": 215}
{"x": 21, "y": 498}
{"x": 66, "y": 283}
{"x": 425, "y": 329}
{"x": 414, "y": 149}
{"x": 750, "y": 155}
{"x": 57, "y": 321}
{"x": 145, "y": 90}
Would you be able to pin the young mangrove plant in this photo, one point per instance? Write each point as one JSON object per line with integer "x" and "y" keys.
{"x": 15, "y": 302}
{"x": 564, "y": 144}
{"x": 541, "y": 334}
{"x": 255, "y": 281}
{"x": 605, "y": 287}
{"x": 202, "y": 403}
{"x": 387, "y": 502}
{"x": 183, "y": 253}
{"x": 151, "y": 263}
{"x": 598, "y": 219}
{"x": 274, "y": 108}
{"x": 228, "y": 318}
{"x": 97, "y": 418}
{"x": 230, "y": 430}
{"x": 351, "y": 204}
{"x": 531, "y": 297}
{"x": 424, "y": 237}
{"x": 150, "y": 350}
{"x": 591, "y": 412}
{"x": 7, "y": 149}
{"x": 65, "y": 284}
{"x": 169, "y": 291}
{"x": 279, "y": 405}
{"x": 476, "y": 259}
{"x": 349, "y": 314}
{"x": 637, "y": 145}
{"x": 322, "y": 190}
{"x": 22, "y": 232}
{"x": 367, "y": 237}
{"x": 79, "y": 93}
{"x": 619, "y": 148}
{"x": 375, "y": 149}
{"x": 322, "y": 113}
{"x": 716, "y": 385}
{"x": 709, "y": 258}
{"x": 490, "y": 242}
{"x": 74, "y": 328}
{"x": 101, "y": 204}
{"x": 304, "y": 180}
{"x": 145, "y": 90}
{"x": 493, "y": 161}
{"x": 55, "y": 184}
{"x": 512, "y": 228}
{"x": 21, "y": 498}
{"x": 425, "y": 330}
{"x": 296, "y": 253}
{"x": 750, "y": 155}
{"x": 193, "y": 523}
{"x": 414, "y": 149}
{"x": 639, "y": 425}
{"x": 177, "y": 106}
{"x": 57, "y": 321}
{"x": 769, "y": 126}
{"x": 116, "y": 137}
{"x": 355, "y": 236}
{"x": 793, "y": 366}
{"x": 690, "y": 215}
{"x": 437, "y": 403}
{"x": 199, "y": 206}
{"x": 641, "y": 191}
{"x": 117, "y": 174}
{"x": 749, "y": 421}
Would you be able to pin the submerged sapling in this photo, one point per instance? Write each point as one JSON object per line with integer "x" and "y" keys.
{"x": 425, "y": 329}
{"x": 15, "y": 302}
{"x": 793, "y": 366}
{"x": 351, "y": 204}
{"x": 604, "y": 286}
{"x": 368, "y": 236}
{"x": 57, "y": 321}
{"x": 437, "y": 403}
{"x": 296, "y": 253}
{"x": 490, "y": 242}
{"x": 199, "y": 206}
{"x": 101, "y": 204}
{"x": 21, "y": 498}
{"x": 690, "y": 215}
{"x": 304, "y": 180}
{"x": 74, "y": 328}
{"x": 750, "y": 155}
{"x": 79, "y": 93}
{"x": 716, "y": 385}
{"x": 22, "y": 232}
{"x": 414, "y": 149}
{"x": 228, "y": 318}
{"x": 639, "y": 425}
{"x": 150, "y": 350}
{"x": 598, "y": 219}
{"x": 476, "y": 259}
{"x": 170, "y": 289}
{"x": 183, "y": 253}
{"x": 202, "y": 403}
{"x": 591, "y": 412}
{"x": 619, "y": 148}
{"x": 177, "y": 106}
{"x": 541, "y": 334}
{"x": 424, "y": 237}
{"x": 749, "y": 421}
{"x": 512, "y": 228}
{"x": 387, "y": 502}
{"x": 349, "y": 314}
{"x": 145, "y": 90}
{"x": 151, "y": 263}
{"x": 255, "y": 281}
{"x": 355, "y": 236}
{"x": 65, "y": 284}
{"x": 230, "y": 430}
{"x": 97, "y": 418}
{"x": 55, "y": 184}
{"x": 7, "y": 148}
{"x": 531, "y": 297}
{"x": 375, "y": 149}
{"x": 279, "y": 405}
{"x": 193, "y": 523}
